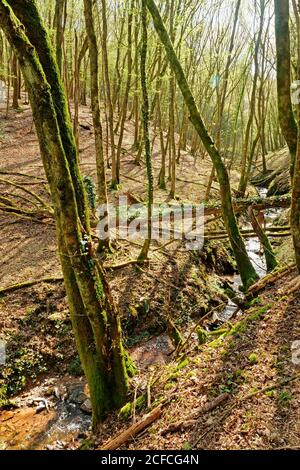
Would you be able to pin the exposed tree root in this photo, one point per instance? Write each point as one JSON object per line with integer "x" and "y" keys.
{"x": 124, "y": 264}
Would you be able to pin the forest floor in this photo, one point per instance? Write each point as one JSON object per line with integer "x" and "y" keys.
{"x": 41, "y": 355}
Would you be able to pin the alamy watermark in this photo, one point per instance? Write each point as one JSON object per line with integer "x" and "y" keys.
{"x": 296, "y": 92}
{"x": 2, "y": 352}
{"x": 183, "y": 222}
{"x": 2, "y": 92}
{"x": 296, "y": 352}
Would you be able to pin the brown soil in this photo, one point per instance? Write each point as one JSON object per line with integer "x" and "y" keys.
{"x": 34, "y": 321}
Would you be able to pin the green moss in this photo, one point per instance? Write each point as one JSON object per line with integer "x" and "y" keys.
{"x": 184, "y": 363}
{"x": 3, "y": 396}
{"x": 258, "y": 314}
{"x": 173, "y": 377}
{"x": 131, "y": 368}
{"x": 90, "y": 189}
{"x": 201, "y": 335}
{"x": 285, "y": 397}
{"x": 174, "y": 334}
{"x": 253, "y": 359}
{"x": 127, "y": 410}
{"x": 74, "y": 367}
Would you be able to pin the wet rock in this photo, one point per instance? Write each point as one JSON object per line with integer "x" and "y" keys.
{"x": 77, "y": 395}
{"x": 86, "y": 407}
{"x": 41, "y": 407}
{"x": 60, "y": 392}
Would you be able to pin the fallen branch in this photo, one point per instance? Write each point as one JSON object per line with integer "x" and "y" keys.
{"x": 21, "y": 285}
{"x": 291, "y": 288}
{"x": 133, "y": 430}
{"x": 15, "y": 173}
{"x": 28, "y": 191}
{"x": 124, "y": 264}
{"x": 27, "y": 215}
{"x": 269, "y": 388}
{"x": 256, "y": 203}
{"x": 269, "y": 279}
{"x": 186, "y": 424}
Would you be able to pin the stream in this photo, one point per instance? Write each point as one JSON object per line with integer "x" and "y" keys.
{"x": 256, "y": 256}
{"x": 62, "y": 419}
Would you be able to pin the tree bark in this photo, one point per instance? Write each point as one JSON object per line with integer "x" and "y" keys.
{"x": 94, "y": 317}
{"x": 283, "y": 57}
{"x": 145, "y": 113}
{"x": 94, "y": 67}
{"x": 247, "y": 271}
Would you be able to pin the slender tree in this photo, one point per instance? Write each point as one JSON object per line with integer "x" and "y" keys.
{"x": 94, "y": 316}
{"x": 283, "y": 58}
{"x": 145, "y": 113}
{"x": 247, "y": 271}
{"x": 94, "y": 67}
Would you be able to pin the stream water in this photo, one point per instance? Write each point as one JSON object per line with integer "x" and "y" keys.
{"x": 256, "y": 256}
{"x": 65, "y": 422}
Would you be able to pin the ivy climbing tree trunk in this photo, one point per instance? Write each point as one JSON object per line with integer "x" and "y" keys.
{"x": 94, "y": 317}
{"x": 247, "y": 271}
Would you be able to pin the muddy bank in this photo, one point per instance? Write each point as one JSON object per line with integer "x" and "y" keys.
{"x": 277, "y": 178}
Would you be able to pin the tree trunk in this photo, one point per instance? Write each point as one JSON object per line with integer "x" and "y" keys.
{"x": 283, "y": 47}
{"x": 59, "y": 10}
{"x": 94, "y": 317}
{"x": 145, "y": 112}
{"x": 115, "y": 176}
{"x": 15, "y": 104}
{"x": 247, "y": 271}
{"x": 94, "y": 67}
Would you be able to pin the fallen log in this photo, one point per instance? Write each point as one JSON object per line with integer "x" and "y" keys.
{"x": 133, "y": 430}
{"x": 249, "y": 231}
{"x": 269, "y": 279}
{"x": 249, "y": 235}
{"x": 292, "y": 287}
{"x": 241, "y": 400}
{"x": 256, "y": 203}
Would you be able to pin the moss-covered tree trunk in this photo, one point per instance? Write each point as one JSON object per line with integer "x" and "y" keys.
{"x": 128, "y": 84}
{"x": 283, "y": 57}
{"x": 59, "y": 10}
{"x": 94, "y": 316}
{"x": 145, "y": 113}
{"x": 115, "y": 176}
{"x": 94, "y": 67}
{"x": 287, "y": 119}
{"x": 245, "y": 155}
{"x": 247, "y": 271}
